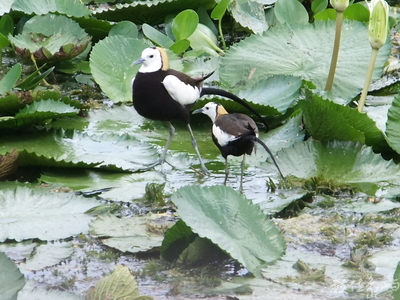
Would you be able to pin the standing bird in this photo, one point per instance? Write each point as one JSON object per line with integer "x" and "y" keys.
{"x": 234, "y": 134}
{"x": 162, "y": 94}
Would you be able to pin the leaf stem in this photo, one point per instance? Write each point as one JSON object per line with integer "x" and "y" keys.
{"x": 221, "y": 34}
{"x": 335, "y": 52}
{"x": 367, "y": 83}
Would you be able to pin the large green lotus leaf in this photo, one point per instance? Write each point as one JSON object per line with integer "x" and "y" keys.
{"x": 249, "y": 14}
{"x": 328, "y": 121}
{"x": 11, "y": 278}
{"x": 125, "y": 187}
{"x": 148, "y": 11}
{"x": 110, "y": 63}
{"x": 126, "y": 234}
{"x": 116, "y": 152}
{"x": 277, "y": 91}
{"x": 46, "y": 216}
{"x": 396, "y": 279}
{"x": 342, "y": 162}
{"x": 304, "y": 51}
{"x": 393, "y": 125}
{"x": 72, "y": 8}
{"x": 5, "y": 6}
{"x": 232, "y": 222}
{"x": 37, "y": 112}
{"x": 47, "y": 255}
{"x": 120, "y": 285}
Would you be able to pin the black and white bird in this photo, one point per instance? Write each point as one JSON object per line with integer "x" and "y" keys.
{"x": 163, "y": 94}
{"x": 234, "y": 134}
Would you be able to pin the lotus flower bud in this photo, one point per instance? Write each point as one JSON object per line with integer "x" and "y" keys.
{"x": 378, "y": 23}
{"x": 340, "y": 5}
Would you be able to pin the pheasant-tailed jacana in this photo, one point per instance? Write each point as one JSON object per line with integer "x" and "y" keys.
{"x": 234, "y": 134}
{"x": 162, "y": 94}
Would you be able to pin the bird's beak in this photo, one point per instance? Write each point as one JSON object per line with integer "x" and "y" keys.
{"x": 137, "y": 62}
{"x": 197, "y": 111}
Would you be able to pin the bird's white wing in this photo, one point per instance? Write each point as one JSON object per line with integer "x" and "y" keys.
{"x": 222, "y": 137}
{"x": 180, "y": 91}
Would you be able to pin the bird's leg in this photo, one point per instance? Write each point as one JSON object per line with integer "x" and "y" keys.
{"x": 242, "y": 165}
{"x": 194, "y": 144}
{"x": 226, "y": 170}
{"x": 171, "y": 136}
{"x": 161, "y": 160}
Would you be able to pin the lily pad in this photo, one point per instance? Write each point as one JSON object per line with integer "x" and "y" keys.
{"x": 249, "y": 14}
{"x": 342, "y": 162}
{"x": 11, "y": 278}
{"x": 303, "y": 53}
{"x": 72, "y": 8}
{"x": 126, "y": 234}
{"x": 233, "y": 223}
{"x": 46, "y": 216}
{"x": 61, "y": 148}
{"x": 50, "y": 37}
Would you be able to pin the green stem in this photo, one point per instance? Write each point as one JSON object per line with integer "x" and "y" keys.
{"x": 335, "y": 53}
{"x": 367, "y": 83}
{"x": 221, "y": 34}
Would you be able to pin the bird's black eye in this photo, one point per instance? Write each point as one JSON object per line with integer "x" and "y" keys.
{"x": 151, "y": 56}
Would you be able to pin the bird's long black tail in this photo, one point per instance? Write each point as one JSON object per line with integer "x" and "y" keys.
{"x": 223, "y": 93}
{"x": 256, "y": 139}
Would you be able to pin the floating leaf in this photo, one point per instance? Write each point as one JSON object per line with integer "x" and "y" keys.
{"x": 343, "y": 162}
{"x": 50, "y": 37}
{"x": 396, "y": 283}
{"x": 47, "y": 255}
{"x": 303, "y": 53}
{"x": 72, "y": 8}
{"x": 11, "y": 278}
{"x": 46, "y": 216}
{"x": 120, "y": 285}
{"x": 58, "y": 148}
{"x": 232, "y": 222}
{"x": 365, "y": 207}
{"x": 126, "y": 234}
{"x": 249, "y": 14}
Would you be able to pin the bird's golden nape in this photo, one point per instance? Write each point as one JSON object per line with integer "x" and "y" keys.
{"x": 164, "y": 59}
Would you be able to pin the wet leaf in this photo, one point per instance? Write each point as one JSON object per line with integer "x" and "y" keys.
{"x": 46, "y": 216}
{"x": 365, "y": 207}
{"x": 73, "y": 8}
{"x": 58, "y": 148}
{"x": 277, "y": 91}
{"x": 341, "y": 162}
{"x": 47, "y": 255}
{"x": 233, "y": 223}
{"x": 292, "y": 56}
{"x": 126, "y": 234}
{"x": 120, "y": 285}
{"x": 50, "y": 37}
{"x": 110, "y": 63}
{"x": 249, "y": 14}
{"x": 33, "y": 292}
{"x": 11, "y": 278}
{"x": 340, "y": 123}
